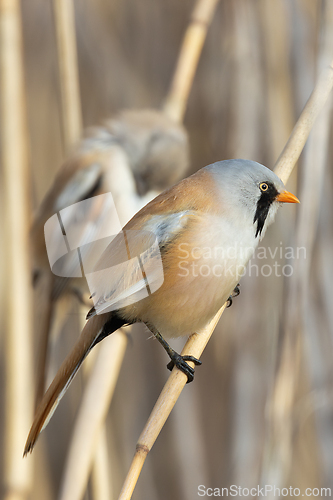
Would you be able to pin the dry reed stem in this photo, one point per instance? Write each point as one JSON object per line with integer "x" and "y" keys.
{"x": 196, "y": 343}
{"x": 68, "y": 69}
{"x": 91, "y": 417}
{"x": 276, "y": 47}
{"x": 193, "y": 41}
{"x": 279, "y": 447}
{"x": 162, "y": 409}
{"x": 247, "y": 57}
{"x": 302, "y": 129}
{"x": 101, "y": 475}
{"x": 19, "y": 380}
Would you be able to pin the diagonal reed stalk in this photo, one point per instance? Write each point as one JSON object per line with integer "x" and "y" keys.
{"x": 15, "y": 159}
{"x": 194, "y": 38}
{"x": 292, "y": 150}
{"x": 196, "y": 344}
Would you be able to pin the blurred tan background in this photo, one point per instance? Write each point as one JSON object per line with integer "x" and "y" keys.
{"x": 260, "y": 408}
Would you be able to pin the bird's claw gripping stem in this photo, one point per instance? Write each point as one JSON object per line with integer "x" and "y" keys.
{"x": 180, "y": 362}
{"x": 234, "y": 294}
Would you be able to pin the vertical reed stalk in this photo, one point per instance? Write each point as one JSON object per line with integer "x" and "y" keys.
{"x": 15, "y": 154}
{"x": 71, "y": 114}
{"x": 298, "y": 304}
{"x": 69, "y": 72}
{"x": 91, "y": 417}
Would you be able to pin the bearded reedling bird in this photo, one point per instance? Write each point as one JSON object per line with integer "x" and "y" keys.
{"x": 135, "y": 153}
{"x": 214, "y": 220}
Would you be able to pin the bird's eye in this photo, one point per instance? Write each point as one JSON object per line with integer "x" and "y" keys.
{"x": 263, "y": 186}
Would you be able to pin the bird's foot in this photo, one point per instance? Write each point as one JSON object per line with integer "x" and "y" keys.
{"x": 176, "y": 359}
{"x": 180, "y": 362}
{"x": 234, "y": 294}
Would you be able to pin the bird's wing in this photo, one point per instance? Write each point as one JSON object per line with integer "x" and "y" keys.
{"x": 131, "y": 267}
{"x": 83, "y": 184}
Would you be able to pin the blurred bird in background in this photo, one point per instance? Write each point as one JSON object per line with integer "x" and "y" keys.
{"x": 133, "y": 156}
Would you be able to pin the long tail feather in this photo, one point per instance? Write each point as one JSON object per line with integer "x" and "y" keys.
{"x": 44, "y": 325}
{"x": 65, "y": 375}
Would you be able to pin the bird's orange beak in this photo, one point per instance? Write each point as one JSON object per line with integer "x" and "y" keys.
{"x": 286, "y": 197}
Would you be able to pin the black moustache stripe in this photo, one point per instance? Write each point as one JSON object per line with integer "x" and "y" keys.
{"x": 263, "y": 206}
